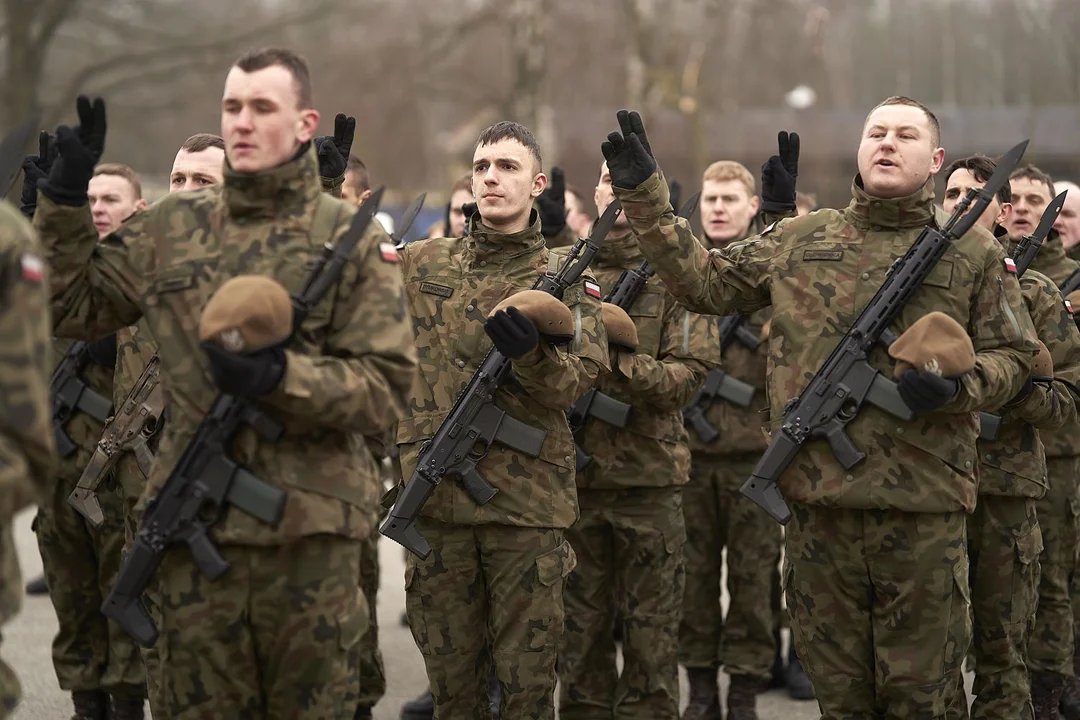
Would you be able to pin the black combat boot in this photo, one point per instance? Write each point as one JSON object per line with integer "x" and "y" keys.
{"x": 37, "y": 586}
{"x": 704, "y": 698}
{"x": 1070, "y": 699}
{"x": 1046, "y": 690}
{"x": 798, "y": 685}
{"x": 742, "y": 698}
{"x": 776, "y": 674}
{"x": 422, "y": 708}
{"x": 127, "y": 707}
{"x": 90, "y": 705}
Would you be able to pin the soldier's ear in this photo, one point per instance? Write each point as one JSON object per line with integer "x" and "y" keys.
{"x": 1004, "y": 214}
{"x": 936, "y": 160}
{"x": 755, "y": 203}
{"x": 540, "y": 183}
{"x": 306, "y": 125}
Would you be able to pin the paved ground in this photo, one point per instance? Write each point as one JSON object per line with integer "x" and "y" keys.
{"x": 27, "y": 639}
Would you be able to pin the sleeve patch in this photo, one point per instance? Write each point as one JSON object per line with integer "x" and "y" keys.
{"x": 33, "y": 269}
{"x": 388, "y": 252}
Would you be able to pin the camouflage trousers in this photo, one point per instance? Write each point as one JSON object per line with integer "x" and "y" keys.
{"x": 11, "y": 592}
{"x": 629, "y": 546}
{"x": 89, "y": 651}
{"x": 719, "y": 517}
{"x": 1004, "y": 542}
{"x": 273, "y": 638}
{"x": 879, "y": 610}
{"x": 369, "y": 659}
{"x": 489, "y": 592}
{"x": 1050, "y": 647}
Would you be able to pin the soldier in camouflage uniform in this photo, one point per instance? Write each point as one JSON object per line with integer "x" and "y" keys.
{"x": 717, "y": 515}
{"x": 92, "y": 656}
{"x": 629, "y": 538}
{"x": 1004, "y": 538}
{"x": 876, "y": 561}
{"x": 27, "y": 447}
{"x": 1051, "y": 644}
{"x": 274, "y": 637}
{"x": 495, "y": 577}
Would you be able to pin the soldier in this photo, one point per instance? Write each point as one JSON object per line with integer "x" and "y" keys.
{"x": 875, "y": 561}
{"x": 805, "y": 203}
{"x": 1051, "y": 644}
{"x": 274, "y": 637}
{"x": 495, "y": 576}
{"x": 577, "y": 217}
{"x": 717, "y": 515}
{"x": 27, "y": 447}
{"x": 357, "y": 186}
{"x": 94, "y": 659}
{"x": 630, "y": 535}
{"x": 1004, "y": 538}
{"x": 199, "y": 163}
{"x": 1068, "y": 221}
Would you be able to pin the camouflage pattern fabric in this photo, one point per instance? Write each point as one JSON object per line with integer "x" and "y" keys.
{"x": 565, "y": 238}
{"x": 509, "y": 580}
{"x": 27, "y": 446}
{"x": 369, "y": 660}
{"x": 272, "y": 640}
{"x": 718, "y": 517}
{"x": 1004, "y": 542}
{"x": 629, "y": 547}
{"x": 349, "y": 365}
{"x": 884, "y": 586}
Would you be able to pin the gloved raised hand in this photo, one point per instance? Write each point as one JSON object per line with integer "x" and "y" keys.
{"x": 333, "y": 151}
{"x": 778, "y": 176}
{"x": 628, "y": 154}
{"x": 36, "y": 169}
{"x": 925, "y": 391}
{"x": 80, "y": 148}
{"x": 551, "y": 205}
{"x": 246, "y": 375}
{"x": 512, "y": 332}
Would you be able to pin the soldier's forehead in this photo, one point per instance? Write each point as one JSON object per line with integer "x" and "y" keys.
{"x": 898, "y": 115}
{"x": 508, "y": 149}
{"x": 274, "y": 82}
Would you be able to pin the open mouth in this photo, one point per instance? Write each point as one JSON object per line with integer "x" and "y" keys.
{"x": 885, "y": 163}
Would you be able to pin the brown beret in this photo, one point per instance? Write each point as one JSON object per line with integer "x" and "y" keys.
{"x": 621, "y": 331}
{"x": 934, "y": 343}
{"x": 1043, "y": 364}
{"x": 550, "y": 316}
{"x": 247, "y": 314}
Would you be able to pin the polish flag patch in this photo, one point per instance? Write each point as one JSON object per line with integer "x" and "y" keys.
{"x": 592, "y": 288}
{"x": 1010, "y": 265}
{"x": 1069, "y": 307}
{"x": 33, "y": 269}
{"x": 388, "y": 251}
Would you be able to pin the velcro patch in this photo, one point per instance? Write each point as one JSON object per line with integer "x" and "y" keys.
{"x": 832, "y": 255}
{"x": 388, "y": 251}
{"x": 1010, "y": 265}
{"x": 432, "y": 289}
{"x": 592, "y": 288}
{"x": 33, "y": 269}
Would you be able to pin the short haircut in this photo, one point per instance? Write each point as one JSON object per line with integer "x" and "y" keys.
{"x": 1030, "y": 172}
{"x": 724, "y": 170}
{"x": 981, "y": 168}
{"x": 121, "y": 170}
{"x": 203, "y": 141}
{"x": 462, "y": 183}
{"x": 509, "y": 130}
{"x": 356, "y": 175}
{"x": 296, "y": 65}
{"x": 935, "y": 126}
{"x": 806, "y": 200}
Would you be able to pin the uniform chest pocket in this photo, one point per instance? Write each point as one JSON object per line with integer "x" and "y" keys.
{"x": 293, "y": 274}
{"x": 647, "y": 305}
{"x": 941, "y": 276}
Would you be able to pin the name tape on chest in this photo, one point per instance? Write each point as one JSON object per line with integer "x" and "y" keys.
{"x": 431, "y": 288}
{"x": 831, "y": 255}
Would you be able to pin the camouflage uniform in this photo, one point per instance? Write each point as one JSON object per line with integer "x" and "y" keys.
{"x": 273, "y": 637}
{"x": 496, "y": 572}
{"x": 27, "y": 447}
{"x": 876, "y": 561}
{"x": 564, "y": 238}
{"x": 718, "y": 516}
{"x": 90, "y": 653}
{"x": 1051, "y": 644}
{"x": 630, "y": 536}
{"x": 1004, "y": 538}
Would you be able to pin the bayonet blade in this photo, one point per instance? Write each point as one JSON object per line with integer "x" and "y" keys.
{"x": 407, "y": 219}
{"x": 1049, "y": 216}
{"x": 605, "y": 223}
{"x": 12, "y": 152}
{"x": 977, "y": 200}
{"x": 690, "y": 206}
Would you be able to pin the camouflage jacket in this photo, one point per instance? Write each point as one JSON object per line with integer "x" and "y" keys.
{"x": 452, "y": 285}
{"x": 27, "y": 448}
{"x": 1015, "y": 464}
{"x": 349, "y": 365}
{"x": 742, "y": 430}
{"x": 674, "y": 354}
{"x": 1053, "y": 262}
{"x": 565, "y": 238}
{"x": 818, "y": 272}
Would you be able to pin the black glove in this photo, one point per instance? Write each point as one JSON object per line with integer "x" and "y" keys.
{"x": 246, "y": 375}
{"x": 629, "y": 157}
{"x": 35, "y": 169}
{"x": 551, "y": 205}
{"x": 674, "y": 194}
{"x": 512, "y": 332}
{"x": 334, "y": 151}
{"x": 80, "y": 149}
{"x": 778, "y": 176}
{"x": 103, "y": 351}
{"x": 925, "y": 391}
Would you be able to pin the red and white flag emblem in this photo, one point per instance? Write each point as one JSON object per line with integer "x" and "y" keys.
{"x": 1010, "y": 265}
{"x": 1069, "y": 307}
{"x": 33, "y": 269}
{"x": 388, "y": 252}
{"x": 592, "y": 288}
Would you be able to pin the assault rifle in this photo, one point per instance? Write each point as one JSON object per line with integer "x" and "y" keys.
{"x": 71, "y": 394}
{"x": 719, "y": 384}
{"x": 474, "y": 422}
{"x": 206, "y": 480}
{"x": 846, "y": 381}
